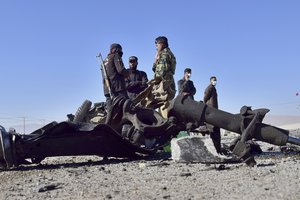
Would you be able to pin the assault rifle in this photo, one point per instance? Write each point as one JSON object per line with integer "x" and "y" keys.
{"x": 104, "y": 74}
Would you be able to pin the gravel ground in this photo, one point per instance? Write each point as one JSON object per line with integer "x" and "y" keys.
{"x": 91, "y": 177}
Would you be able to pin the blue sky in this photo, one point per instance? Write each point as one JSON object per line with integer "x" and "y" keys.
{"x": 48, "y": 51}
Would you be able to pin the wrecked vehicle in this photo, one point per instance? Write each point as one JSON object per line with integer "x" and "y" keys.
{"x": 131, "y": 130}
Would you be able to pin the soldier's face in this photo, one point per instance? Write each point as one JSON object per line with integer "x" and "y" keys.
{"x": 132, "y": 64}
{"x": 214, "y": 82}
{"x": 187, "y": 75}
{"x": 159, "y": 46}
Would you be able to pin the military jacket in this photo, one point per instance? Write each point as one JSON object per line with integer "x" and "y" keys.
{"x": 165, "y": 66}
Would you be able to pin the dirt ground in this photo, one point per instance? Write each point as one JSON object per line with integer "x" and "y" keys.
{"x": 276, "y": 176}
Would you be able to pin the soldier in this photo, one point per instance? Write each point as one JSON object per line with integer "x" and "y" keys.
{"x": 186, "y": 86}
{"x": 116, "y": 74}
{"x": 211, "y": 99}
{"x": 164, "y": 69}
{"x": 137, "y": 80}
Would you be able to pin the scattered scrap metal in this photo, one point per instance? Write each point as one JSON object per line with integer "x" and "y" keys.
{"x": 130, "y": 130}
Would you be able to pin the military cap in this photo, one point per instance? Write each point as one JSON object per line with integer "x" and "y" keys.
{"x": 188, "y": 70}
{"x": 131, "y": 58}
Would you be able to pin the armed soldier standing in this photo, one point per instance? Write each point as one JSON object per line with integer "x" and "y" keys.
{"x": 164, "y": 69}
{"x": 211, "y": 99}
{"x": 186, "y": 86}
{"x": 116, "y": 74}
{"x": 137, "y": 80}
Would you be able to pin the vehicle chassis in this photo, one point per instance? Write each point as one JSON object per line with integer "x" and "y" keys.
{"x": 129, "y": 128}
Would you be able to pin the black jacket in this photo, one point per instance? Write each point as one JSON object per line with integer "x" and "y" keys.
{"x": 211, "y": 96}
{"x": 116, "y": 73}
{"x": 136, "y": 82}
{"x": 186, "y": 87}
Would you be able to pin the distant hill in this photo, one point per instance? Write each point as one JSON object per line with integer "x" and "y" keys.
{"x": 291, "y": 123}
{"x": 281, "y": 120}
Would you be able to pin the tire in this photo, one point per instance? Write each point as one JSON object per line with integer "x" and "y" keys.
{"x": 82, "y": 111}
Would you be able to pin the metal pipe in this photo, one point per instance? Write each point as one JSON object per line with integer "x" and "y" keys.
{"x": 293, "y": 140}
{"x": 187, "y": 111}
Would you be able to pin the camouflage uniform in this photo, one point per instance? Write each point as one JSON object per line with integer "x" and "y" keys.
{"x": 162, "y": 88}
{"x": 164, "y": 69}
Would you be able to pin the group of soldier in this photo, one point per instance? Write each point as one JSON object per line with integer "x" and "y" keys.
{"x": 133, "y": 83}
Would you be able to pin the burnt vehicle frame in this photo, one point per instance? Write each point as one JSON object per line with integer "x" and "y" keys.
{"x": 130, "y": 131}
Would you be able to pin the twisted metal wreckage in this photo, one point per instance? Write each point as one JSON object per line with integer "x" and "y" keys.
{"x": 131, "y": 130}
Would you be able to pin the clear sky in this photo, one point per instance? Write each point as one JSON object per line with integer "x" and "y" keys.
{"x": 48, "y": 51}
